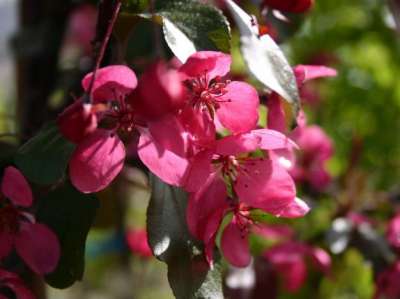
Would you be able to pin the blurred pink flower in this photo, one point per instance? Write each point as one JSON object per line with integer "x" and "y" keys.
{"x": 316, "y": 149}
{"x": 387, "y": 283}
{"x": 35, "y": 243}
{"x": 294, "y": 6}
{"x": 137, "y": 242}
{"x": 289, "y": 260}
{"x": 393, "y": 232}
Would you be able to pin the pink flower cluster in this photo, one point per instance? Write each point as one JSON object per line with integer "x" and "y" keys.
{"x": 309, "y": 164}
{"x": 198, "y": 130}
{"x": 34, "y": 242}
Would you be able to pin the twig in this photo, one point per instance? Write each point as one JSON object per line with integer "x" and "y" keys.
{"x": 103, "y": 47}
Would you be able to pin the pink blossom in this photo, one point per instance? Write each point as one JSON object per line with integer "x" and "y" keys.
{"x": 387, "y": 283}
{"x": 289, "y": 260}
{"x": 316, "y": 146}
{"x": 35, "y": 243}
{"x": 228, "y": 179}
{"x": 393, "y": 232}
{"x": 234, "y": 103}
{"x": 137, "y": 242}
{"x": 100, "y": 153}
{"x": 294, "y": 6}
{"x": 81, "y": 27}
{"x": 316, "y": 150}
{"x": 160, "y": 91}
{"x": 11, "y": 281}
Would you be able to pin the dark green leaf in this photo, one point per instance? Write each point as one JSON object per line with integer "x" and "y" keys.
{"x": 134, "y": 6}
{"x": 44, "y": 158}
{"x": 69, "y": 214}
{"x": 203, "y": 24}
{"x": 188, "y": 272}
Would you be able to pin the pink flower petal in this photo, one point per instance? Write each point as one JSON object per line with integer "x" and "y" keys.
{"x": 276, "y": 114}
{"x": 207, "y": 62}
{"x": 200, "y": 169}
{"x": 200, "y": 127}
{"x": 77, "y": 121}
{"x": 238, "y": 110}
{"x": 274, "y": 232}
{"x": 161, "y": 83}
{"x": 305, "y": 73}
{"x": 169, "y": 134}
{"x": 204, "y": 206}
{"x": 274, "y": 140}
{"x": 6, "y": 244}
{"x": 164, "y": 163}
{"x": 238, "y": 144}
{"x": 20, "y": 290}
{"x": 38, "y": 246}
{"x": 295, "y": 209}
{"x": 111, "y": 81}
{"x": 321, "y": 259}
{"x": 235, "y": 245}
{"x": 96, "y": 161}
{"x": 266, "y": 185}
{"x": 15, "y": 187}
{"x": 13, "y": 282}
{"x": 288, "y": 260}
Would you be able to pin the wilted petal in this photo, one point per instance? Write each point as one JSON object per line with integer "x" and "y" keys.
{"x": 207, "y": 62}
{"x": 15, "y": 187}
{"x": 38, "y": 246}
{"x": 266, "y": 185}
{"x": 238, "y": 108}
{"x": 6, "y": 244}
{"x": 235, "y": 245}
{"x": 111, "y": 81}
{"x": 96, "y": 161}
{"x": 164, "y": 163}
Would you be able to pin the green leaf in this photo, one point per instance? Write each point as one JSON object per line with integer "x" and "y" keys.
{"x": 188, "y": 272}
{"x": 264, "y": 59}
{"x": 189, "y": 26}
{"x": 44, "y": 158}
{"x": 203, "y": 24}
{"x": 69, "y": 214}
{"x": 134, "y": 6}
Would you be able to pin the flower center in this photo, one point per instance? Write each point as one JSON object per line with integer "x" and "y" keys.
{"x": 120, "y": 115}
{"x": 206, "y": 94}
